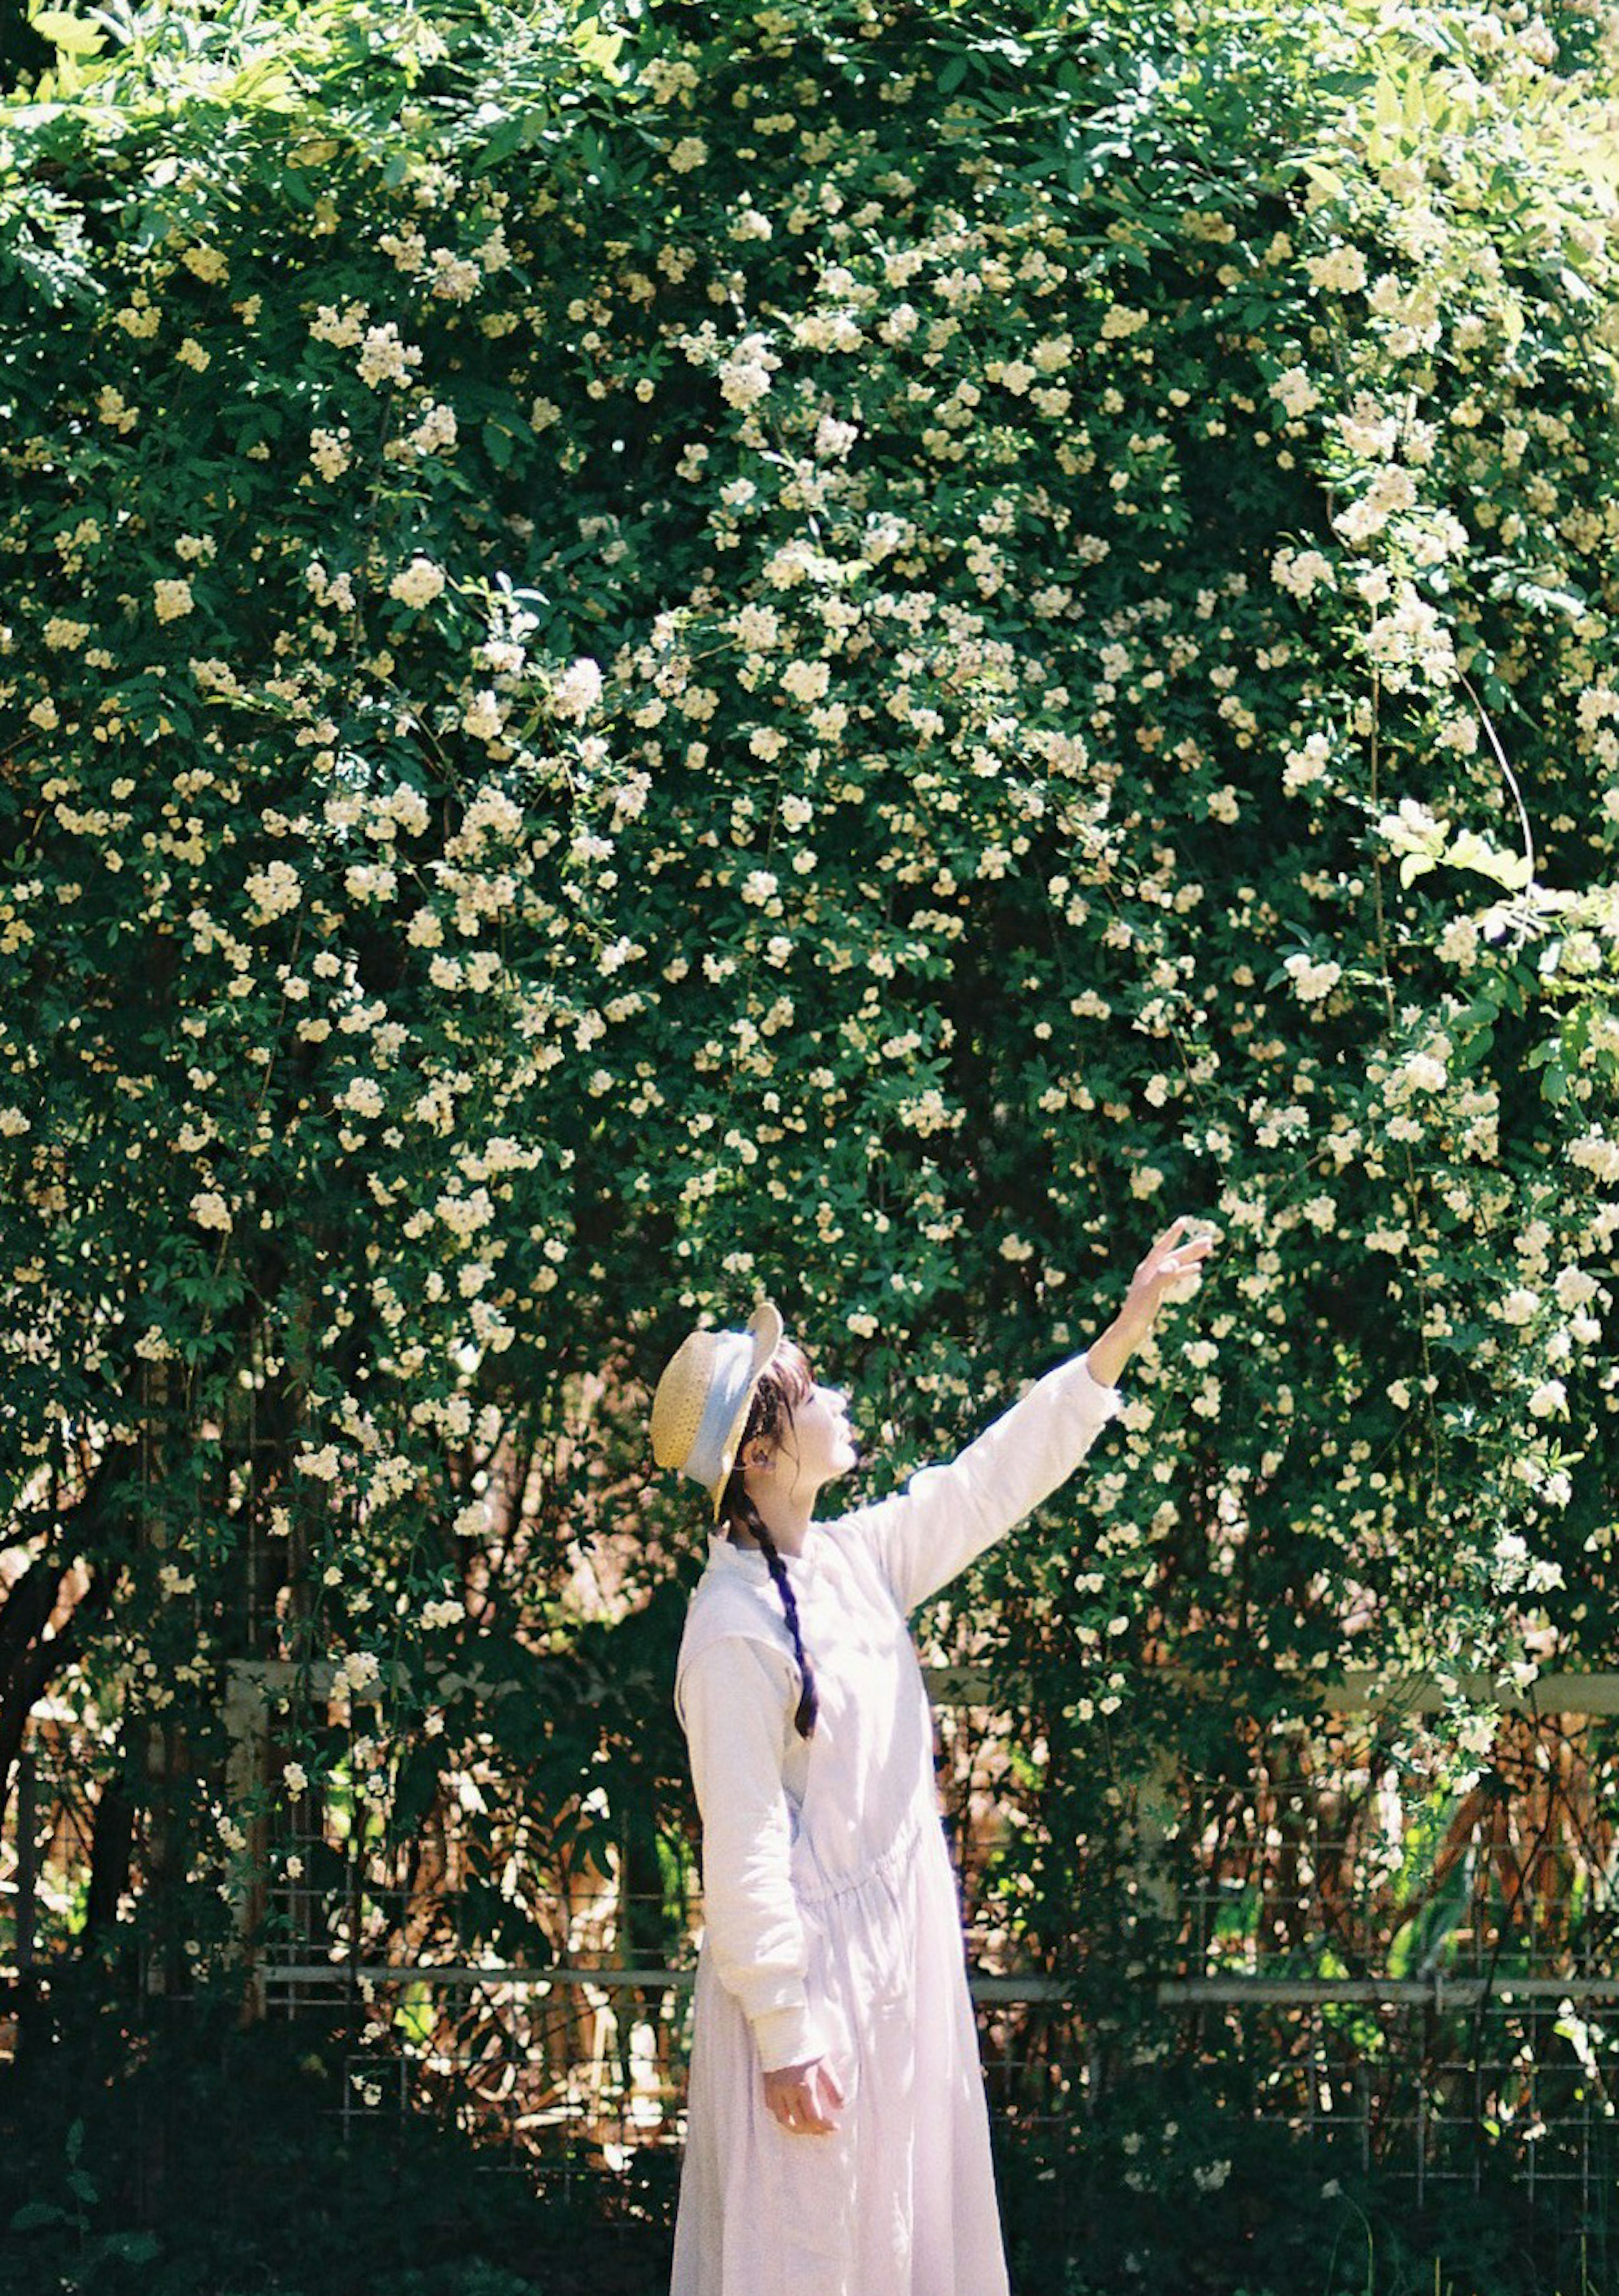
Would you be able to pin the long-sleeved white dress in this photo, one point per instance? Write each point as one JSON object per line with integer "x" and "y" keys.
{"x": 832, "y": 1922}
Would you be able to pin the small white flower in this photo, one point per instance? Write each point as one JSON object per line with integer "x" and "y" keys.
{"x": 419, "y": 583}
{"x": 363, "y": 1095}
{"x": 482, "y": 717}
{"x": 1296, "y": 392}
{"x": 579, "y": 688}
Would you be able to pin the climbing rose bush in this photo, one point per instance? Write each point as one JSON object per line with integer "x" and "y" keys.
{"x": 859, "y": 650}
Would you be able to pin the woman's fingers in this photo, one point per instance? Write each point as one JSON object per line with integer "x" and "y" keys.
{"x": 1168, "y": 1261}
{"x": 793, "y": 2094}
{"x": 798, "y": 2108}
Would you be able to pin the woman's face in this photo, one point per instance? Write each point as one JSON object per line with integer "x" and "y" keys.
{"x": 818, "y": 1445}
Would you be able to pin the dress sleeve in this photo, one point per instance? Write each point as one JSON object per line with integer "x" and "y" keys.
{"x": 946, "y": 1515}
{"x": 735, "y": 1695}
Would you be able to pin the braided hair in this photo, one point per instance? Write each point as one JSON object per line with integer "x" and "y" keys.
{"x": 785, "y": 1382}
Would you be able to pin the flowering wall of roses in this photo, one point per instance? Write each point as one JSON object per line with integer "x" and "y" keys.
{"x": 860, "y": 653}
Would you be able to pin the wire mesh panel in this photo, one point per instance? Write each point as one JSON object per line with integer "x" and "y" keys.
{"x": 1414, "y": 1974}
{"x": 1412, "y": 1968}
{"x": 47, "y": 1855}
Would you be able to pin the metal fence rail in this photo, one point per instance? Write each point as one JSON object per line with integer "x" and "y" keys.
{"x": 1436, "y": 2032}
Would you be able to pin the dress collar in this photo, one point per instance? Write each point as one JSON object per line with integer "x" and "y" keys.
{"x": 725, "y": 1554}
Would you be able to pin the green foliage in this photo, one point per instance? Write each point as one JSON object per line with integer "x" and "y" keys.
{"x": 855, "y": 648}
{"x": 214, "y": 2162}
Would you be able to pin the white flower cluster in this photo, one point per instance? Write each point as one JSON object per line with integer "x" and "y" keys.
{"x": 1596, "y": 1154}
{"x": 272, "y": 891}
{"x": 1369, "y": 430}
{"x": 1311, "y": 982}
{"x": 1411, "y": 639}
{"x": 344, "y": 327}
{"x": 419, "y": 583}
{"x": 437, "y": 428}
{"x": 671, "y": 79}
{"x": 463, "y": 1216}
{"x": 806, "y": 681}
{"x": 1305, "y": 766}
{"x": 745, "y": 378}
{"x": 797, "y": 562}
{"x": 330, "y": 590}
{"x": 386, "y": 357}
{"x": 172, "y": 599}
{"x": 483, "y": 716}
{"x": 928, "y": 1112}
{"x": 578, "y": 691}
{"x": 1422, "y": 1071}
{"x": 1341, "y": 270}
{"x": 1296, "y": 393}
{"x": 758, "y": 629}
{"x": 454, "y": 277}
{"x": 363, "y": 1095}
{"x": 354, "y": 1671}
{"x": 492, "y": 812}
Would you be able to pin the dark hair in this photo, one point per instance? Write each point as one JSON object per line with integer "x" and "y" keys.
{"x": 785, "y": 1380}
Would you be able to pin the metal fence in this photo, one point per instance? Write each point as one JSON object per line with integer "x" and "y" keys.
{"x": 1403, "y": 1976}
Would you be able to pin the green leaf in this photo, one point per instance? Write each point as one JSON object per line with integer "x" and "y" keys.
{"x": 33, "y": 2213}
{"x": 70, "y": 33}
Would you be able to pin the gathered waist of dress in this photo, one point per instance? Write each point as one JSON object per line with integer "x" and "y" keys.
{"x": 837, "y": 1885}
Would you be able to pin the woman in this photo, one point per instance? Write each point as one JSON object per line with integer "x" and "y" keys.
{"x": 838, "y": 2138}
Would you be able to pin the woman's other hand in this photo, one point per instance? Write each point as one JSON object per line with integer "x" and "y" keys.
{"x": 801, "y": 2096}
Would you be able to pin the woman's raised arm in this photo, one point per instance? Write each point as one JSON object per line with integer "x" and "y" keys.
{"x": 947, "y": 1515}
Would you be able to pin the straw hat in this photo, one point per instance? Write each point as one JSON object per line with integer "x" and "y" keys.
{"x": 701, "y": 1404}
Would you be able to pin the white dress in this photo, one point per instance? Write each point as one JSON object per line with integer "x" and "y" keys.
{"x": 832, "y": 1922}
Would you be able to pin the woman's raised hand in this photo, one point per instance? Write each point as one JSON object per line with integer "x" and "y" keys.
{"x": 1171, "y": 1258}
{"x": 801, "y": 2096}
